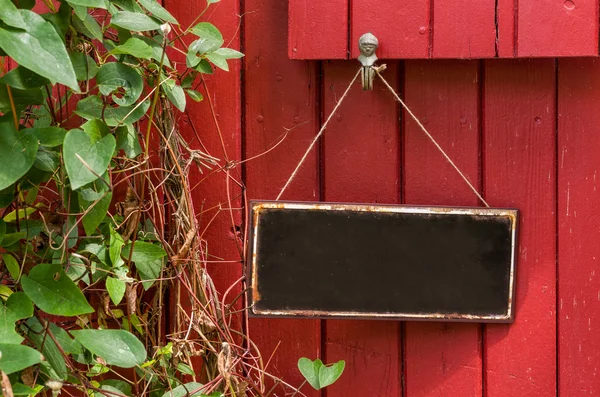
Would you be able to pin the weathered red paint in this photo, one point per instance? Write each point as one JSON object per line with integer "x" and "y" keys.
{"x": 519, "y": 155}
{"x": 442, "y": 359}
{"x": 578, "y": 219}
{"x": 446, "y": 29}
{"x": 367, "y": 124}
{"x": 319, "y": 31}
{"x": 280, "y": 95}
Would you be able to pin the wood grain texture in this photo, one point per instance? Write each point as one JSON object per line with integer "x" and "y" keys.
{"x": 362, "y": 164}
{"x": 317, "y": 29}
{"x": 506, "y": 13}
{"x": 280, "y": 94}
{"x": 520, "y": 172}
{"x": 442, "y": 359}
{"x": 464, "y": 29}
{"x": 578, "y": 219}
{"x": 557, "y": 28}
{"x": 403, "y": 28}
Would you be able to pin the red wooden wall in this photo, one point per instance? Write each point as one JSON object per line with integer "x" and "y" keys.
{"x": 526, "y": 132}
{"x": 444, "y": 29}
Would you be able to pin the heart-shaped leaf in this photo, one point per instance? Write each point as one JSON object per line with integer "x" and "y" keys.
{"x": 135, "y": 21}
{"x": 40, "y": 49}
{"x": 45, "y": 344}
{"x": 85, "y": 159}
{"x": 17, "y": 151}
{"x": 53, "y": 291}
{"x": 190, "y": 389}
{"x": 115, "y": 76}
{"x": 158, "y": 11}
{"x": 115, "y": 346}
{"x": 116, "y": 289}
{"x": 93, "y": 108}
{"x": 319, "y": 375}
{"x": 148, "y": 261}
{"x": 329, "y": 374}
{"x": 310, "y": 370}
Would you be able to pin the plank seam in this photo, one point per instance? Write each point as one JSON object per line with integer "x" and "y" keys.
{"x": 516, "y": 27}
{"x": 349, "y": 31}
{"x": 401, "y": 134}
{"x": 430, "y": 49}
{"x": 320, "y": 169}
{"x": 481, "y": 166}
{"x": 557, "y": 224}
{"x": 496, "y": 23}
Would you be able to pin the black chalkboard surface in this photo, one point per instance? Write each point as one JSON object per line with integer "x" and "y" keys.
{"x": 377, "y": 261}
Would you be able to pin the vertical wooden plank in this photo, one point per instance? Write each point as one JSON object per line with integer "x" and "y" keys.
{"x": 579, "y": 217}
{"x": 442, "y": 359}
{"x": 361, "y": 164}
{"x": 213, "y": 194}
{"x": 557, "y": 28}
{"x": 520, "y": 170}
{"x": 403, "y": 29}
{"x": 505, "y": 14}
{"x": 279, "y": 94}
{"x": 464, "y": 29}
{"x": 317, "y": 29}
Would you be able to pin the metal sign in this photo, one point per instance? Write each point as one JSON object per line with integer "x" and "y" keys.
{"x": 381, "y": 261}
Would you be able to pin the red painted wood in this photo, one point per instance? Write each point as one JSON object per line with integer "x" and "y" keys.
{"x": 362, "y": 164}
{"x": 403, "y": 28}
{"x": 280, "y": 94}
{"x": 506, "y": 13}
{"x": 442, "y": 359}
{"x": 520, "y": 169}
{"x": 464, "y": 29}
{"x": 318, "y": 29}
{"x": 210, "y": 189}
{"x": 557, "y": 28}
{"x": 578, "y": 219}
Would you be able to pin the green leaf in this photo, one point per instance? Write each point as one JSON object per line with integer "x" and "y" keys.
{"x": 116, "y": 347}
{"x": 12, "y": 266}
{"x": 135, "y": 47}
{"x": 2, "y": 229}
{"x": 175, "y": 94}
{"x": 319, "y": 375}
{"x": 329, "y": 374}
{"x": 115, "y": 76}
{"x": 85, "y": 159}
{"x": 14, "y": 358}
{"x": 210, "y": 38}
{"x": 39, "y": 49}
{"x": 12, "y": 216}
{"x": 46, "y": 160}
{"x": 111, "y": 391}
{"x": 52, "y": 291}
{"x": 20, "y": 389}
{"x": 157, "y": 48}
{"x": 158, "y": 11}
{"x": 96, "y": 214}
{"x": 116, "y": 289}
{"x": 122, "y": 386}
{"x": 229, "y": 53}
{"x": 45, "y": 344}
{"x": 127, "y": 140}
{"x": 204, "y": 67}
{"x": 47, "y": 136}
{"x": 148, "y": 260}
{"x": 17, "y": 307}
{"x": 185, "y": 369}
{"x": 80, "y": 11}
{"x": 88, "y": 26}
{"x": 77, "y": 270}
{"x": 69, "y": 345}
{"x": 17, "y": 151}
{"x": 84, "y": 66}
{"x": 23, "y": 79}
{"x": 116, "y": 246}
{"x": 310, "y": 370}
{"x": 96, "y": 129}
{"x": 60, "y": 20}
{"x": 91, "y": 108}
{"x": 128, "y": 5}
{"x": 186, "y": 390}
{"x": 218, "y": 60}
{"x": 195, "y": 95}
{"x": 21, "y": 98}
{"x": 89, "y": 3}
{"x": 135, "y": 21}
{"x": 9, "y": 14}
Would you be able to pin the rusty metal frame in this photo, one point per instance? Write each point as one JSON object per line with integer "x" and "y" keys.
{"x": 253, "y": 296}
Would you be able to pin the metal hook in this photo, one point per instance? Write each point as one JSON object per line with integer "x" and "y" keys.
{"x": 367, "y": 45}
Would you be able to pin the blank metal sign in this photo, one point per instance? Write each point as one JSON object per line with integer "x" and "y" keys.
{"x": 380, "y": 261}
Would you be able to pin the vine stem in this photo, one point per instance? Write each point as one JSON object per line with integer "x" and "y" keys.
{"x": 10, "y": 97}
